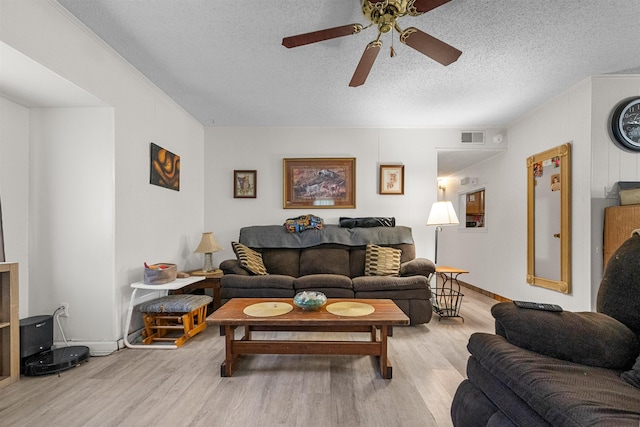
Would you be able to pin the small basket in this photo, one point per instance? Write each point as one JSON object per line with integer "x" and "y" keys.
{"x": 160, "y": 275}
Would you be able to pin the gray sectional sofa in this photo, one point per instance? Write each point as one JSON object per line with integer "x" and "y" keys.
{"x": 330, "y": 260}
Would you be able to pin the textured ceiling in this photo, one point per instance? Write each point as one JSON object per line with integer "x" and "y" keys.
{"x": 223, "y": 61}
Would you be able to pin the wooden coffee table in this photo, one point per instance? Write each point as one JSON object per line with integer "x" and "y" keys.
{"x": 231, "y": 315}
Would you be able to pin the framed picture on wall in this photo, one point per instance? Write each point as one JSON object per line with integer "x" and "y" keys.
{"x": 391, "y": 179}
{"x": 165, "y": 168}
{"x": 245, "y": 184}
{"x": 328, "y": 183}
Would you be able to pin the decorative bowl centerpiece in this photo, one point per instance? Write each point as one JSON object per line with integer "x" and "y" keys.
{"x": 310, "y": 300}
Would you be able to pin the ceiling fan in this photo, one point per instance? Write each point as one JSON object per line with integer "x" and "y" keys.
{"x": 384, "y": 14}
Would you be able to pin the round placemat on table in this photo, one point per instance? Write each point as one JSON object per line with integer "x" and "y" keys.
{"x": 348, "y": 308}
{"x": 267, "y": 309}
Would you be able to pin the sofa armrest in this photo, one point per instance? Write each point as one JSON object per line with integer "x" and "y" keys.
{"x": 587, "y": 338}
{"x": 417, "y": 267}
{"x": 232, "y": 266}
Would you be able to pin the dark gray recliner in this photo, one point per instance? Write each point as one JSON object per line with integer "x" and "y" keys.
{"x": 560, "y": 369}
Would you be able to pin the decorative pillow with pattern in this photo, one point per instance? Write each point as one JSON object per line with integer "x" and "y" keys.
{"x": 249, "y": 259}
{"x": 382, "y": 261}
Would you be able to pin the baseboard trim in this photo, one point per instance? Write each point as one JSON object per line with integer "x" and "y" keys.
{"x": 483, "y": 292}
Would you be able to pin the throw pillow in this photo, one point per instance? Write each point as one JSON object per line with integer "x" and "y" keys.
{"x": 249, "y": 259}
{"x": 382, "y": 261}
{"x": 371, "y": 221}
{"x": 632, "y": 376}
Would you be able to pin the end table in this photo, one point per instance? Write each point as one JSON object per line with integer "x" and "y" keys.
{"x": 211, "y": 281}
{"x": 447, "y": 300}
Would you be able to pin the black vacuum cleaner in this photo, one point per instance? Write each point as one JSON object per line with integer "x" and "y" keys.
{"x": 36, "y": 355}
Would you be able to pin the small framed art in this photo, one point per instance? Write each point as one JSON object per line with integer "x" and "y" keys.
{"x": 391, "y": 179}
{"x": 244, "y": 184}
{"x": 165, "y": 168}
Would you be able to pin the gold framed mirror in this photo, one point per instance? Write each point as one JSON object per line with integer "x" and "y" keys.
{"x": 549, "y": 219}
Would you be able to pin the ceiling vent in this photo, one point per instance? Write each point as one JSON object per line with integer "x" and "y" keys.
{"x": 472, "y": 137}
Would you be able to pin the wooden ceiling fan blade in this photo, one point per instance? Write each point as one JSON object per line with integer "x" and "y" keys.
{"x": 418, "y": 7}
{"x": 428, "y": 45}
{"x": 365, "y": 64}
{"x": 321, "y": 35}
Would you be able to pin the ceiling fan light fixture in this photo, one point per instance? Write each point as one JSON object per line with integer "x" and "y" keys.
{"x": 384, "y": 14}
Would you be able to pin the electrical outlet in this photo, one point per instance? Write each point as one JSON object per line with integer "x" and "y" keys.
{"x": 65, "y": 309}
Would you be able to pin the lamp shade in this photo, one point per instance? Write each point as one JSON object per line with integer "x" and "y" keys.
{"x": 208, "y": 244}
{"x": 442, "y": 213}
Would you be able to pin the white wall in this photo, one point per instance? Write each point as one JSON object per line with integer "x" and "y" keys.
{"x": 150, "y": 223}
{"x": 263, "y": 149}
{"x": 14, "y": 191}
{"x": 71, "y": 245}
{"x": 496, "y": 258}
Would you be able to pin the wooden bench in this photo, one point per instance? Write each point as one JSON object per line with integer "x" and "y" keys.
{"x": 186, "y": 313}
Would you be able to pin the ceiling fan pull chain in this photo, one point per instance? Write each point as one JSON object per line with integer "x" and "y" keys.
{"x": 392, "y": 51}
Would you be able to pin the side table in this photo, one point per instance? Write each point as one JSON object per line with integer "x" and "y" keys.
{"x": 143, "y": 292}
{"x": 211, "y": 281}
{"x": 447, "y": 299}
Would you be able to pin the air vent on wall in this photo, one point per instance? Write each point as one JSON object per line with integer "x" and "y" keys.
{"x": 472, "y": 137}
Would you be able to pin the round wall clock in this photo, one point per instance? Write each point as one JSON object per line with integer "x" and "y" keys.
{"x": 625, "y": 124}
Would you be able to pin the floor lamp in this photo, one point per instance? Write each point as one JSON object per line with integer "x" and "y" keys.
{"x": 442, "y": 213}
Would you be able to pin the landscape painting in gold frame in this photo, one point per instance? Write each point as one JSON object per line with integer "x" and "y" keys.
{"x": 319, "y": 183}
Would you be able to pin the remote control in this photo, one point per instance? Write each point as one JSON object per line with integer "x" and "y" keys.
{"x": 538, "y": 306}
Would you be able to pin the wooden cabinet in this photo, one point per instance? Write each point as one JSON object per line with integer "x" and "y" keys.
{"x": 619, "y": 222}
{"x": 9, "y": 324}
{"x": 474, "y": 209}
{"x": 475, "y": 203}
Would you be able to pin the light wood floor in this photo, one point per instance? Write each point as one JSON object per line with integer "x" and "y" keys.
{"x": 183, "y": 387}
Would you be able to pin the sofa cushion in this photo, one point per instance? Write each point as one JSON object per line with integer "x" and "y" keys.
{"x": 324, "y": 260}
{"x": 272, "y": 281}
{"x": 389, "y": 283}
{"x": 611, "y": 345}
{"x": 249, "y": 259}
{"x": 313, "y": 281}
{"x": 382, "y": 261}
{"x": 408, "y": 251}
{"x": 632, "y": 376}
{"x": 562, "y": 393}
{"x": 332, "y": 285}
{"x": 282, "y": 261}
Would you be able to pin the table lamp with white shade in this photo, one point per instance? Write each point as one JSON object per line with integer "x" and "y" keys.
{"x": 208, "y": 246}
{"x": 442, "y": 213}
